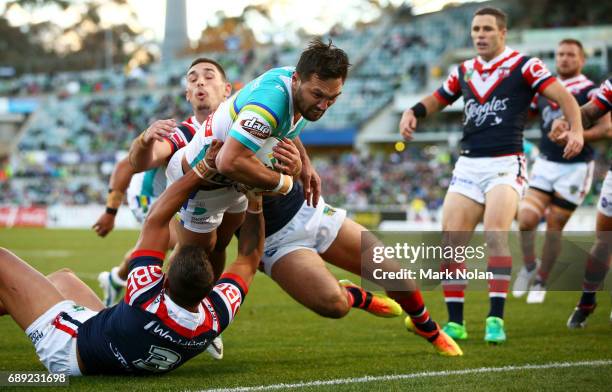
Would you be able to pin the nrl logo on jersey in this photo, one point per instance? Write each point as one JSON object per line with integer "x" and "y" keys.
{"x": 503, "y": 72}
{"x": 256, "y": 127}
{"x": 480, "y": 113}
{"x": 468, "y": 75}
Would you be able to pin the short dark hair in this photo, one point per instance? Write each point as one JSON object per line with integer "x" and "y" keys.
{"x": 325, "y": 60}
{"x": 190, "y": 276}
{"x": 500, "y": 16}
{"x": 211, "y": 61}
{"x": 572, "y": 41}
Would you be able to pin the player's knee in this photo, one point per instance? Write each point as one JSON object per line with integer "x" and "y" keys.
{"x": 4, "y": 253}
{"x": 61, "y": 273}
{"x": 528, "y": 219}
{"x": 333, "y": 306}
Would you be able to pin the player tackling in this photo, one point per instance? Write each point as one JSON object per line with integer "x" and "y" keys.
{"x": 164, "y": 320}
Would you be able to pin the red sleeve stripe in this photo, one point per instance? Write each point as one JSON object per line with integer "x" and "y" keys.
{"x": 440, "y": 98}
{"x": 546, "y": 83}
{"x": 599, "y": 103}
{"x": 173, "y": 147}
{"x": 238, "y": 280}
{"x": 147, "y": 252}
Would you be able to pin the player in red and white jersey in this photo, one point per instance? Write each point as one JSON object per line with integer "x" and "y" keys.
{"x": 164, "y": 320}
{"x": 206, "y": 87}
{"x": 489, "y": 178}
{"x": 557, "y": 185}
{"x": 598, "y": 262}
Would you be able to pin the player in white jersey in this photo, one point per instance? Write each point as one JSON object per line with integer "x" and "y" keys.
{"x": 489, "y": 178}
{"x": 557, "y": 185}
{"x": 277, "y": 104}
{"x": 207, "y": 87}
{"x": 600, "y": 256}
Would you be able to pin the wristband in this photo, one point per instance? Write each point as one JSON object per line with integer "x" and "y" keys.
{"x": 285, "y": 183}
{"x": 114, "y": 199}
{"x": 141, "y": 140}
{"x": 112, "y": 211}
{"x": 204, "y": 170}
{"x": 419, "y": 110}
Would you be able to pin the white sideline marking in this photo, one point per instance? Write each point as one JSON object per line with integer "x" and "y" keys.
{"x": 391, "y": 377}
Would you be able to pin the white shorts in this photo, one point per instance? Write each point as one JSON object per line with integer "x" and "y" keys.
{"x": 605, "y": 199}
{"x": 140, "y": 205}
{"x": 572, "y": 181}
{"x": 54, "y": 336}
{"x": 311, "y": 228}
{"x": 203, "y": 211}
{"x": 474, "y": 177}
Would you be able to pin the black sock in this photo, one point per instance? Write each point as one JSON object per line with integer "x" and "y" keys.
{"x": 497, "y": 307}
{"x": 455, "y": 312}
{"x": 588, "y": 299}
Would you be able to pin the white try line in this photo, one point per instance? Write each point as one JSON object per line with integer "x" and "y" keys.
{"x": 392, "y": 377}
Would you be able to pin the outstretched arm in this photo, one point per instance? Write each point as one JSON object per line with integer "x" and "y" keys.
{"x": 117, "y": 186}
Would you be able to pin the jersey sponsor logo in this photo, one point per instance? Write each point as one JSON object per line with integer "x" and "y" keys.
{"x": 479, "y": 113}
{"x": 142, "y": 277}
{"x": 231, "y": 294}
{"x": 119, "y": 357}
{"x": 329, "y": 210}
{"x": 256, "y": 128}
{"x": 270, "y": 252}
{"x": 157, "y": 329}
{"x": 36, "y": 336}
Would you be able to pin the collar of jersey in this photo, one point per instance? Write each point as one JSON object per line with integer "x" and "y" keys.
{"x": 182, "y": 316}
{"x": 575, "y": 79}
{"x": 491, "y": 65}
{"x": 195, "y": 123}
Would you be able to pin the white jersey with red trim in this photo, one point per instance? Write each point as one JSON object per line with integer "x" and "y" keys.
{"x": 496, "y": 97}
{"x": 147, "y": 332}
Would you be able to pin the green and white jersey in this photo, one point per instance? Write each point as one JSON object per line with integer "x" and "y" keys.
{"x": 261, "y": 109}
{"x": 150, "y": 183}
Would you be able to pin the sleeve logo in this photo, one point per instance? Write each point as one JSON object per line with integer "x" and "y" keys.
{"x": 256, "y": 128}
{"x": 232, "y": 295}
{"x": 537, "y": 70}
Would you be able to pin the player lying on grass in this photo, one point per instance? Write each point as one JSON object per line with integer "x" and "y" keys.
{"x": 598, "y": 263}
{"x": 164, "y": 320}
{"x": 301, "y": 237}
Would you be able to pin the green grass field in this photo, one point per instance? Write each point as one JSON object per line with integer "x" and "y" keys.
{"x": 274, "y": 340}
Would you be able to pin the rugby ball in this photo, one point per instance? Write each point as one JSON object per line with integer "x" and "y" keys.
{"x": 265, "y": 153}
